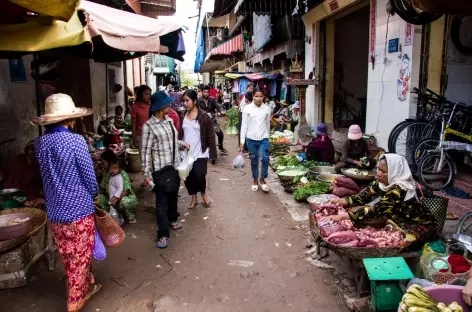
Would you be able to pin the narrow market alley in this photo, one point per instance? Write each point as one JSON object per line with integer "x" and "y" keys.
{"x": 245, "y": 253}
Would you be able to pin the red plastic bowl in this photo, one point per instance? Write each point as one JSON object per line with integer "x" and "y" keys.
{"x": 447, "y": 294}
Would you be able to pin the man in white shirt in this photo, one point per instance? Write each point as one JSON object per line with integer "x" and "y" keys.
{"x": 255, "y": 131}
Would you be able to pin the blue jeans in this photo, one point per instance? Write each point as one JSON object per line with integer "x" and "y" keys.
{"x": 256, "y": 149}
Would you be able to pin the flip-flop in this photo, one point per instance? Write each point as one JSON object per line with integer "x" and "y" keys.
{"x": 207, "y": 204}
{"x": 190, "y": 206}
{"x": 95, "y": 289}
{"x": 451, "y": 216}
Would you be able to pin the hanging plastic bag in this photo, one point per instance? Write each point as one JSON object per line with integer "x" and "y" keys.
{"x": 238, "y": 161}
{"x": 116, "y": 216}
{"x": 185, "y": 166}
{"x": 99, "y": 250}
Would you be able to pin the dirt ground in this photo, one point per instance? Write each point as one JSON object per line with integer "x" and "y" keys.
{"x": 245, "y": 253}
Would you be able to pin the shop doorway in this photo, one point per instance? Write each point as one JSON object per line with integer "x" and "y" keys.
{"x": 351, "y": 50}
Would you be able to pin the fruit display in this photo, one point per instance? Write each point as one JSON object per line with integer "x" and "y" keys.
{"x": 416, "y": 299}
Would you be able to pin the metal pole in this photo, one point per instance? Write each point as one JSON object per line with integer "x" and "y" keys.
{"x": 106, "y": 89}
{"x": 37, "y": 89}
{"x": 125, "y": 86}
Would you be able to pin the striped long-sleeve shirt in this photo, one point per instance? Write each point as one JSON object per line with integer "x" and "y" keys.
{"x": 157, "y": 145}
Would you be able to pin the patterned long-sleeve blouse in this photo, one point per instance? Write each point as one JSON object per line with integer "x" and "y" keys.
{"x": 391, "y": 206}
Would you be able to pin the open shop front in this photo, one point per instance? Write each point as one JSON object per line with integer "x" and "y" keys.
{"x": 50, "y": 58}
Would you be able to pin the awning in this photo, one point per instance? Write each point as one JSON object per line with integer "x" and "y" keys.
{"x": 33, "y": 36}
{"x": 255, "y": 76}
{"x": 229, "y": 47}
{"x": 58, "y": 9}
{"x": 127, "y": 31}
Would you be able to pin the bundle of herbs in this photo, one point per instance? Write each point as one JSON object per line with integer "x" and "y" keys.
{"x": 309, "y": 189}
{"x": 233, "y": 120}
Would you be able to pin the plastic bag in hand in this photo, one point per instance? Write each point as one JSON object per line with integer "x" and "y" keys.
{"x": 238, "y": 161}
{"x": 185, "y": 166}
{"x": 99, "y": 251}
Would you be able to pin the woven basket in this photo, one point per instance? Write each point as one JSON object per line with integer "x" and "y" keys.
{"x": 38, "y": 220}
{"x": 353, "y": 252}
{"x": 364, "y": 252}
{"x": 111, "y": 233}
{"x": 432, "y": 274}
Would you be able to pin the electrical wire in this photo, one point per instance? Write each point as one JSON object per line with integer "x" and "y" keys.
{"x": 383, "y": 72}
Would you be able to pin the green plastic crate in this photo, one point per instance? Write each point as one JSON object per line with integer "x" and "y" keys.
{"x": 385, "y": 275}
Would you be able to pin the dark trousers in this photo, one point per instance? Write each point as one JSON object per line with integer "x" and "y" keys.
{"x": 196, "y": 180}
{"x": 221, "y": 137}
{"x": 293, "y": 124}
{"x": 239, "y": 130}
{"x": 166, "y": 211}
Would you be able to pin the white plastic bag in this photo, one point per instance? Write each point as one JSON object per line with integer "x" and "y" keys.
{"x": 115, "y": 215}
{"x": 238, "y": 161}
{"x": 185, "y": 166}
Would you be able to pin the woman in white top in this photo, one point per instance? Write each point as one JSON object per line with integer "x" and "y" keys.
{"x": 255, "y": 131}
{"x": 197, "y": 131}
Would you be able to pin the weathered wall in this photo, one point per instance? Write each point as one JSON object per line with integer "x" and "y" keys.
{"x": 17, "y": 108}
{"x": 384, "y": 109}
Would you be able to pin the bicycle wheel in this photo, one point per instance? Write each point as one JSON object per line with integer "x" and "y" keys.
{"x": 436, "y": 170}
{"x": 465, "y": 225}
{"x": 407, "y": 138}
{"x": 424, "y": 147}
{"x": 392, "y": 134}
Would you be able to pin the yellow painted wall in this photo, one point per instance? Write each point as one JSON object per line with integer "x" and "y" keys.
{"x": 435, "y": 61}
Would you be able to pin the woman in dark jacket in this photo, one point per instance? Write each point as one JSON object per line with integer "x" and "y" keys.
{"x": 197, "y": 131}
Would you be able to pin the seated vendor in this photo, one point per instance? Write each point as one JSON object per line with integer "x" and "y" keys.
{"x": 321, "y": 147}
{"x": 22, "y": 172}
{"x": 119, "y": 122}
{"x": 396, "y": 190}
{"x": 355, "y": 152}
{"x": 280, "y": 117}
{"x": 128, "y": 201}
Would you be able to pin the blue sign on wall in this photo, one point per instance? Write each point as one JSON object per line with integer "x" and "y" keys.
{"x": 393, "y": 45}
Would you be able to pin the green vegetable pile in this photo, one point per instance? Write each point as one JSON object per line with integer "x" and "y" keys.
{"x": 286, "y": 161}
{"x": 312, "y": 163}
{"x": 310, "y": 189}
{"x": 233, "y": 120}
{"x": 279, "y": 149}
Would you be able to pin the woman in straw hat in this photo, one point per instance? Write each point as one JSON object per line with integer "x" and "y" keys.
{"x": 355, "y": 151}
{"x": 70, "y": 186}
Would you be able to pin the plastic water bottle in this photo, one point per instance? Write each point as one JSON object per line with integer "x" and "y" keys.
{"x": 116, "y": 216}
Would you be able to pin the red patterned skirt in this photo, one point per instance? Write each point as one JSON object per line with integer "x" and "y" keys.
{"x": 75, "y": 244}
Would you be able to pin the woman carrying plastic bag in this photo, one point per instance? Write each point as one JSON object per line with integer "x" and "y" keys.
{"x": 197, "y": 131}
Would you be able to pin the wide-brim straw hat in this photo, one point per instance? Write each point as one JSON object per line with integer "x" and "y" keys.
{"x": 283, "y": 103}
{"x": 60, "y": 107}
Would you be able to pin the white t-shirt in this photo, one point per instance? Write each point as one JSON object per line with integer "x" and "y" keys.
{"x": 256, "y": 122}
{"x": 192, "y": 137}
{"x": 115, "y": 186}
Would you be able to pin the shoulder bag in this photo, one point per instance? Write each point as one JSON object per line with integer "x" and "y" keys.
{"x": 167, "y": 179}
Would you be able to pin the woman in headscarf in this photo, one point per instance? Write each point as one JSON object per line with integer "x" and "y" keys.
{"x": 397, "y": 200}
{"x": 321, "y": 147}
{"x": 355, "y": 151}
{"x": 70, "y": 187}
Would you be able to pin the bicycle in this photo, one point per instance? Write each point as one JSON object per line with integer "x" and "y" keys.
{"x": 436, "y": 164}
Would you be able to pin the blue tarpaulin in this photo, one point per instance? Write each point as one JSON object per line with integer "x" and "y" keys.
{"x": 200, "y": 54}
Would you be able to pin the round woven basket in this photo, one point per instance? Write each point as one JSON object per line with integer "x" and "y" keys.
{"x": 38, "y": 220}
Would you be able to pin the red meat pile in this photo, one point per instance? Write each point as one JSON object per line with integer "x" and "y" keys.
{"x": 368, "y": 237}
{"x": 325, "y": 210}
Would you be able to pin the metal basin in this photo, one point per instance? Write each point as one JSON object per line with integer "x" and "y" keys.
{"x": 328, "y": 177}
{"x": 317, "y": 170}
{"x": 14, "y": 231}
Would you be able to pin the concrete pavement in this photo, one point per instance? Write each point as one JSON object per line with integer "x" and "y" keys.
{"x": 245, "y": 253}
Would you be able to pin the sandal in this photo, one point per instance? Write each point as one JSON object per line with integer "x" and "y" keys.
{"x": 265, "y": 187}
{"x": 207, "y": 203}
{"x": 191, "y": 206}
{"x": 255, "y": 187}
{"x": 93, "y": 291}
{"x": 132, "y": 220}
